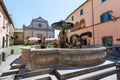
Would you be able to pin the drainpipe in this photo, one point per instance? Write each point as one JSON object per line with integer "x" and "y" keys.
{"x": 93, "y": 22}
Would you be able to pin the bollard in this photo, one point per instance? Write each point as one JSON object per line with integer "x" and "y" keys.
{"x": 0, "y": 59}
{"x": 12, "y": 51}
{"x": 118, "y": 70}
{"x": 3, "y": 56}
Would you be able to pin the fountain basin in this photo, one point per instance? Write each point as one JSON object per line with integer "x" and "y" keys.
{"x": 63, "y": 56}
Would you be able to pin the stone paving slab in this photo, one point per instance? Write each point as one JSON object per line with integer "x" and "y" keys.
{"x": 10, "y": 77}
{"x": 113, "y": 77}
{"x": 40, "y": 77}
{"x": 10, "y": 72}
{"x": 71, "y": 69}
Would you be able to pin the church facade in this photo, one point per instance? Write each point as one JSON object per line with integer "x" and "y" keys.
{"x": 39, "y": 27}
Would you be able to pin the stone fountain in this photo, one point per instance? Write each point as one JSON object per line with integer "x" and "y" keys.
{"x": 63, "y": 56}
{"x": 62, "y": 26}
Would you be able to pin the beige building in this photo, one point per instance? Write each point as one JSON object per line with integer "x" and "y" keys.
{"x": 19, "y": 36}
{"x": 6, "y": 26}
{"x": 39, "y": 27}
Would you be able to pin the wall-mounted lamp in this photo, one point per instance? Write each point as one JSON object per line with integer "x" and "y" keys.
{"x": 111, "y": 14}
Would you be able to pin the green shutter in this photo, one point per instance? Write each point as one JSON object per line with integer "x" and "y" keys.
{"x": 103, "y": 1}
{"x": 101, "y": 18}
{"x": 81, "y": 12}
{"x": 109, "y": 41}
{"x": 72, "y": 18}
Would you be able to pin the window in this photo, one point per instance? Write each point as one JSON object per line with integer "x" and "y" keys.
{"x": 105, "y": 17}
{"x": 107, "y": 41}
{"x": 103, "y": 1}
{"x": 81, "y": 12}
{"x": 72, "y": 18}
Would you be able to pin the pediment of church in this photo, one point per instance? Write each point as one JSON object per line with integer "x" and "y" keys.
{"x": 39, "y": 23}
{"x": 39, "y": 19}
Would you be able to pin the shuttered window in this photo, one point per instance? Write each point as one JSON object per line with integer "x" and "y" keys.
{"x": 81, "y": 12}
{"x": 105, "y": 17}
{"x": 103, "y": 1}
{"x": 72, "y": 18}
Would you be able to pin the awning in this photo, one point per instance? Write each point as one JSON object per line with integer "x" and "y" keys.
{"x": 34, "y": 38}
{"x": 89, "y": 34}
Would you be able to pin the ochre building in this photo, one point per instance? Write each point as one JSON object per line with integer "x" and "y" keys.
{"x": 97, "y": 22}
{"x": 18, "y": 36}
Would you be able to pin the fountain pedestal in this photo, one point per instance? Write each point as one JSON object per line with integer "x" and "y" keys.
{"x": 63, "y": 57}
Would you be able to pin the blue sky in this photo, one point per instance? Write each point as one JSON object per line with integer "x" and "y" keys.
{"x": 23, "y": 11}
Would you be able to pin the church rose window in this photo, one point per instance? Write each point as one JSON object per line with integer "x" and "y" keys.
{"x": 39, "y": 25}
